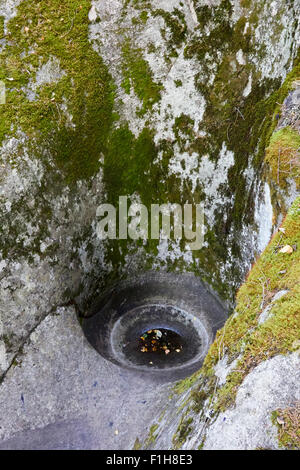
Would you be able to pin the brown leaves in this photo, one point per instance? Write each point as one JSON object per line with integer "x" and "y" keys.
{"x": 160, "y": 341}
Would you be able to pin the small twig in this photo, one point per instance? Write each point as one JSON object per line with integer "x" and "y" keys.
{"x": 58, "y": 112}
{"x": 263, "y": 296}
{"x": 240, "y": 113}
{"x": 72, "y": 24}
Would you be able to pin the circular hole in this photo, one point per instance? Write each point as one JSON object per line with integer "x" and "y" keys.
{"x": 158, "y": 324}
{"x": 174, "y": 322}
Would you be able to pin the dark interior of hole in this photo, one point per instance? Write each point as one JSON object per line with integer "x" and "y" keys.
{"x": 156, "y": 347}
{"x": 162, "y": 341}
{"x": 181, "y": 334}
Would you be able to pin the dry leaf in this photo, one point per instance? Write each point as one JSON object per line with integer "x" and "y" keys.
{"x": 286, "y": 249}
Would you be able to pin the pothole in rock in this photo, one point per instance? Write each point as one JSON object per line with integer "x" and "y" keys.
{"x": 159, "y": 324}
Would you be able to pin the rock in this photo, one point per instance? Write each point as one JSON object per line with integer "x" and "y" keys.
{"x": 152, "y": 101}
{"x": 60, "y": 408}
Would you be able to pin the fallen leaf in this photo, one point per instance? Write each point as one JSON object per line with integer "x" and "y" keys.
{"x": 286, "y": 249}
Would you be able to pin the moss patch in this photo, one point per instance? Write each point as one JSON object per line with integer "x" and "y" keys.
{"x": 137, "y": 444}
{"x": 242, "y": 336}
{"x": 151, "y": 438}
{"x": 182, "y": 432}
{"x": 288, "y": 425}
{"x": 283, "y": 156}
{"x": 58, "y": 29}
{"x": 137, "y": 74}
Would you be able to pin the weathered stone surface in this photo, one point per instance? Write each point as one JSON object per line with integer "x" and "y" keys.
{"x": 62, "y": 386}
{"x": 273, "y": 384}
{"x": 163, "y": 102}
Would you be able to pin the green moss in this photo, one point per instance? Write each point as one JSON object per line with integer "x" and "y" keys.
{"x": 273, "y": 272}
{"x": 287, "y": 422}
{"x": 137, "y": 75}
{"x": 175, "y": 22}
{"x": 129, "y": 168}
{"x": 182, "y": 432}
{"x": 144, "y": 16}
{"x": 198, "y": 396}
{"x": 59, "y": 29}
{"x": 137, "y": 444}
{"x": 282, "y": 155}
{"x": 242, "y": 337}
{"x": 246, "y": 3}
{"x": 245, "y": 124}
{"x": 178, "y": 83}
{"x": 185, "y": 384}
{"x": 1, "y": 27}
{"x": 151, "y": 438}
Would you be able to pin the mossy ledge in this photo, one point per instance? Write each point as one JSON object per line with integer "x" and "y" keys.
{"x": 242, "y": 337}
{"x": 245, "y": 341}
